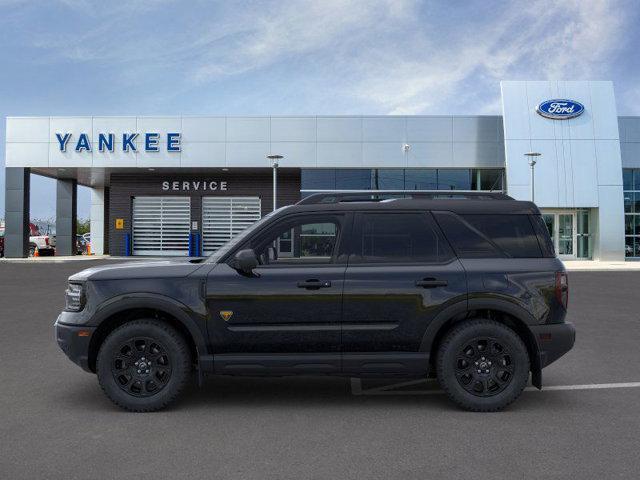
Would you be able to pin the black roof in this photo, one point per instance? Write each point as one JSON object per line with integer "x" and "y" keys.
{"x": 457, "y": 202}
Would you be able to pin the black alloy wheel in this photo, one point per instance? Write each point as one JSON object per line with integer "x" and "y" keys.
{"x": 482, "y": 365}
{"x": 143, "y": 365}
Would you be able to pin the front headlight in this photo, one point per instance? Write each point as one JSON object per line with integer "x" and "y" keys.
{"x": 74, "y": 297}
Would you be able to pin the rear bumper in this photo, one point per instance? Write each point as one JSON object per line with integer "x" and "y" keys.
{"x": 554, "y": 340}
{"x": 74, "y": 341}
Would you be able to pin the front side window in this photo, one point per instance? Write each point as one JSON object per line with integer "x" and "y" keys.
{"x": 398, "y": 238}
{"x": 305, "y": 239}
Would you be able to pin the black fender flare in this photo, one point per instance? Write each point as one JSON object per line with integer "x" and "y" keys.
{"x": 162, "y": 303}
{"x": 461, "y": 308}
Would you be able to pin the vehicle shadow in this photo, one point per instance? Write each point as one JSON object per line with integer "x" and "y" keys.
{"x": 306, "y": 393}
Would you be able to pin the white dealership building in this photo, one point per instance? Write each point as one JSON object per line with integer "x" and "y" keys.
{"x": 183, "y": 185}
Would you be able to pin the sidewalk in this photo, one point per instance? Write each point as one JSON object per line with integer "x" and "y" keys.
{"x": 594, "y": 265}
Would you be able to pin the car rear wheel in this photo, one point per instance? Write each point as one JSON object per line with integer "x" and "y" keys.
{"x": 482, "y": 365}
{"x": 143, "y": 365}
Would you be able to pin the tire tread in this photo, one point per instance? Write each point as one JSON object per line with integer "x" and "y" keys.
{"x": 462, "y": 400}
{"x": 184, "y": 356}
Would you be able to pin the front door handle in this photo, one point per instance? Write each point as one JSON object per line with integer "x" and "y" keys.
{"x": 314, "y": 284}
{"x": 431, "y": 283}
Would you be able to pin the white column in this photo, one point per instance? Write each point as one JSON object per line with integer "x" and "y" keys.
{"x": 97, "y": 221}
{"x": 610, "y": 224}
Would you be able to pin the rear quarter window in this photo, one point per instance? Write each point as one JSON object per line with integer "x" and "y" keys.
{"x": 490, "y": 235}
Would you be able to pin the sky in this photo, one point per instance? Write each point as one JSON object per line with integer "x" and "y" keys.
{"x": 148, "y": 57}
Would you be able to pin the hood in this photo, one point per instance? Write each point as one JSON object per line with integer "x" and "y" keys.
{"x": 131, "y": 270}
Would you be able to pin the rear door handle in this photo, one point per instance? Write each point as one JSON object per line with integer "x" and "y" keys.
{"x": 314, "y": 284}
{"x": 431, "y": 283}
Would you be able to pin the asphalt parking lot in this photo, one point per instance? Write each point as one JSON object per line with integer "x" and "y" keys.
{"x": 56, "y": 423}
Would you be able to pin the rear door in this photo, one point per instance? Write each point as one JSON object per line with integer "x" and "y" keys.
{"x": 401, "y": 274}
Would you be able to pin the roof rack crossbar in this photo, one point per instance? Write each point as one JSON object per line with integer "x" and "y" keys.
{"x": 380, "y": 195}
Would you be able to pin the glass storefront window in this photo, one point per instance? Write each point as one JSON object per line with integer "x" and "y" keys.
{"x": 489, "y": 179}
{"x": 421, "y": 179}
{"x": 631, "y": 182}
{"x": 387, "y": 179}
{"x": 353, "y": 179}
{"x": 318, "y": 179}
{"x": 629, "y": 227}
{"x": 454, "y": 179}
{"x": 628, "y": 202}
{"x": 486, "y": 179}
{"x": 627, "y": 179}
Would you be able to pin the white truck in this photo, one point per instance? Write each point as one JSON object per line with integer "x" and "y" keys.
{"x": 44, "y": 243}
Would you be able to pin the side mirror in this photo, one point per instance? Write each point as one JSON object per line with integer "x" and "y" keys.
{"x": 245, "y": 261}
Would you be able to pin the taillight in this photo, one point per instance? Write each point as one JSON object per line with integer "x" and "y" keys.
{"x": 46, "y": 240}
{"x": 562, "y": 288}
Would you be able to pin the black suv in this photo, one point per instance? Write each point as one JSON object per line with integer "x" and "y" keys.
{"x": 462, "y": 286}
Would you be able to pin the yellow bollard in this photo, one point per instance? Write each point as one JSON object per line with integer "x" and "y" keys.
{"x": 88, "y": 248}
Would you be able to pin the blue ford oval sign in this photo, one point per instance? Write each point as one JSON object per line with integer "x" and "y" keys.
{"x": 560, "y": 109}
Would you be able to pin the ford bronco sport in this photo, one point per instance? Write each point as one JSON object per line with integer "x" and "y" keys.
{"x": 462, "y": 286}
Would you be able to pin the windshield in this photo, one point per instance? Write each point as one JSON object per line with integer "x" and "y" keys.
{"x": 239, "y": 238}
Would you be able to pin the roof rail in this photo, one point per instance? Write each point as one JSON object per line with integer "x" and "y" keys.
{"x": 380, "y": 195}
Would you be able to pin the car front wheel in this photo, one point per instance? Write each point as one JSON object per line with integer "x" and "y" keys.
{"x": 143, "y": 365}
{"x": 482, "y": 365}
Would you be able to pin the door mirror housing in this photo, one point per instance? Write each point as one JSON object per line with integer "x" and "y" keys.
{"x": 245, "y": 261}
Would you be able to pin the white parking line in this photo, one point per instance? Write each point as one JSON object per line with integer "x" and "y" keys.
{"x": 391, "y": 389}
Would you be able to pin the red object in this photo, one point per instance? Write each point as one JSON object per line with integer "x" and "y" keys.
{"x": 46, "y": 241}
{"x": 562, "y": 289}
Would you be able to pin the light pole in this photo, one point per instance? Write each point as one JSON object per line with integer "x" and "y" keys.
{"x": 532, "y": 163}
{"x": 274, "y": 163}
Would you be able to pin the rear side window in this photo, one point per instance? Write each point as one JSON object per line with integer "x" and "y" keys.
{"x": 514, "y": 234}
{"x": 544, "y": 239}
{"x": 399, "y": 238}
{"x": 490, "y": 236}
{"x": 467, "y": 241}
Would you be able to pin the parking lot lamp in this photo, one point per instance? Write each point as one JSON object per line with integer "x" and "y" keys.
{"x": 274, "y": 163}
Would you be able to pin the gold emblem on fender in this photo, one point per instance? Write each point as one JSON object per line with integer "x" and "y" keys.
{"x": 226, "y": 314}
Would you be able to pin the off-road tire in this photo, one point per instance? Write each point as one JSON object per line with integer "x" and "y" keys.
{"x": 450, "y": 353}
{"x": 178, "y": 359}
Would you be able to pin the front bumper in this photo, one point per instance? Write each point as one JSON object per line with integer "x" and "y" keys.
{"x": 554, "y": 340}
{"x": 74, "y": 341}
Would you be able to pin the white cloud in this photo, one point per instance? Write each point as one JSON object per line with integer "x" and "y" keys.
{"x": 541, "y": 40}
{"x": 393, "y": 56}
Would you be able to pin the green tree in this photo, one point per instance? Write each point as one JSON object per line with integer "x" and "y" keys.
{"x": 84, "y": 226}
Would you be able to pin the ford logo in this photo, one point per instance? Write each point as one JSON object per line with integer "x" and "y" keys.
{"x": 560, "y": 109}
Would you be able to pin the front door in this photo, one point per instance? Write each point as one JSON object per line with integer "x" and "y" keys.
{"x": 401, "y": 274}
{"x": 563, "y": 231}
{"x": 287, "y": 316}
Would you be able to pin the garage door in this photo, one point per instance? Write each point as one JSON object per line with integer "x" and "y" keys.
{"x": 161, "y": 225}
{"x": 224, "y": 217}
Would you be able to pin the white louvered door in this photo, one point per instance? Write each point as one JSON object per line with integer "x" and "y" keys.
{"x": 225, "y": 217}
{"x": 161, "y": 225}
